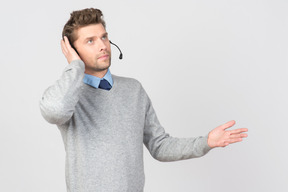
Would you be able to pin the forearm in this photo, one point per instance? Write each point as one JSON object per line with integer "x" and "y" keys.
{"x": 58, "y": 101}
{"x": 174, "y": 149}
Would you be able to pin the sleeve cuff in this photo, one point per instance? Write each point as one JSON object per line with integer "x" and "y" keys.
{"x": 204, "y": 142}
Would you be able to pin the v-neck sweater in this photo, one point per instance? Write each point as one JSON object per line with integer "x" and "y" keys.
{"x": 104, "y": 131}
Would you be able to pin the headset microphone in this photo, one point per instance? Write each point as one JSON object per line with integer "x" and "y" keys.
{"x": 121, "y": 55}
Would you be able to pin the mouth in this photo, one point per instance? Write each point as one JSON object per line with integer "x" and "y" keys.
{"x": 103, "y": 57}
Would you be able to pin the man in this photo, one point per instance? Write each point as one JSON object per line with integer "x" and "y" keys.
{"x": 105, "y": 119}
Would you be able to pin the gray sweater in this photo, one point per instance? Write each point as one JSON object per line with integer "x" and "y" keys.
{"x": 104, "y": 131}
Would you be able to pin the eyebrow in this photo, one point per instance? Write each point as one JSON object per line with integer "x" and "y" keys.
{"x": 92, "y": 37}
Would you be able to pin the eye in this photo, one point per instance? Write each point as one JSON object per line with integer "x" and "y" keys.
{"x": 104, "y": 37}
{"x": 90, "y": 41}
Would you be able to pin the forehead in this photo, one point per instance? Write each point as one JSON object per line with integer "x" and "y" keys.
{"x": 90, "y": 30}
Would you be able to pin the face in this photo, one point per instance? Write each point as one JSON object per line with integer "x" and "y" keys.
{"x": 94, "y": 49}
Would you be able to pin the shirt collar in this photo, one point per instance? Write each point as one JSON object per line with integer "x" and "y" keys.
{"x": 95, "y": 81}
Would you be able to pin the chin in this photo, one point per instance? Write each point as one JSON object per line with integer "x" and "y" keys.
{"x": 103, "y": 68}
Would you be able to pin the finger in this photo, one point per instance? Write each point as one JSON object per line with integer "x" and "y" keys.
{"x": 236, "y": 140}
{"x": 237, "y": 131}
{"x": 227, "y": 125}
{"x": 63, "y": 47}
{"x": 235, "y": 136}
{"x": 67, "y": 43}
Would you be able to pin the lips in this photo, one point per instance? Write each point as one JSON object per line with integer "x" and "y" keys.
{"x": 103, "y": 57}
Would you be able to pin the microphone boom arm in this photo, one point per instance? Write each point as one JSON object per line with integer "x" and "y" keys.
{"x": 121, "y": 55}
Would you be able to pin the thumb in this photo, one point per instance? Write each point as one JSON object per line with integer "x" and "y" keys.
{"x": 227, "y": 125}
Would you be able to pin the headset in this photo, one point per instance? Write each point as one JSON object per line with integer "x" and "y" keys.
{"x": 120, "y": 56}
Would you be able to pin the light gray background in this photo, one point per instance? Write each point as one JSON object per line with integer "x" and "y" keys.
{"x": 214, "y": 61}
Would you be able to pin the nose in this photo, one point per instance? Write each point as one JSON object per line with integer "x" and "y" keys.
{"x": 102, "y": 45}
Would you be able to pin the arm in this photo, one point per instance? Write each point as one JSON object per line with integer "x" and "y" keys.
{"x": 58, "y": 101}
{"x": 165, "y": 148}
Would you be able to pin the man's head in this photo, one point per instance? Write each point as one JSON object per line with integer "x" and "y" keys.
{"x": 81, "y": 18}
{"x": 86, "y": 33}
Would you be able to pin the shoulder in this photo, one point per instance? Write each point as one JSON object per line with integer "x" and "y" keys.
{"x": 127, "y": 81}
{"x": 129, "y": 85}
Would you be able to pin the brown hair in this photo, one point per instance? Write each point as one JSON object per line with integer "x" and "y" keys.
{"x": 81, "y": 18}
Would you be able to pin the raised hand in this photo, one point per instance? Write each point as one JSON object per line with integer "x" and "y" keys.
{"x": 68, "y": 51}
{"x": 220, "y": 137}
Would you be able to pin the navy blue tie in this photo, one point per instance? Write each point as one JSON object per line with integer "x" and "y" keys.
{"x": 104, "y": 84}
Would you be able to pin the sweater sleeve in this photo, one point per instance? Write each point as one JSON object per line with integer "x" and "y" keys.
{"x": 59, "y": 100}
{"x": 166, "y": 148}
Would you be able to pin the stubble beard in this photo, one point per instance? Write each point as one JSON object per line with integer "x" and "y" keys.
{"x": 102, "y": 67}
{"x": 98, "y": 66}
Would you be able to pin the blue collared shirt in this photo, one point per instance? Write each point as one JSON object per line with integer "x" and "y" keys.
{"x": 95, "y": 81}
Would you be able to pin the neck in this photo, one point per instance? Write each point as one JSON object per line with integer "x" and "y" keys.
{"x": 99, "y": 74}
